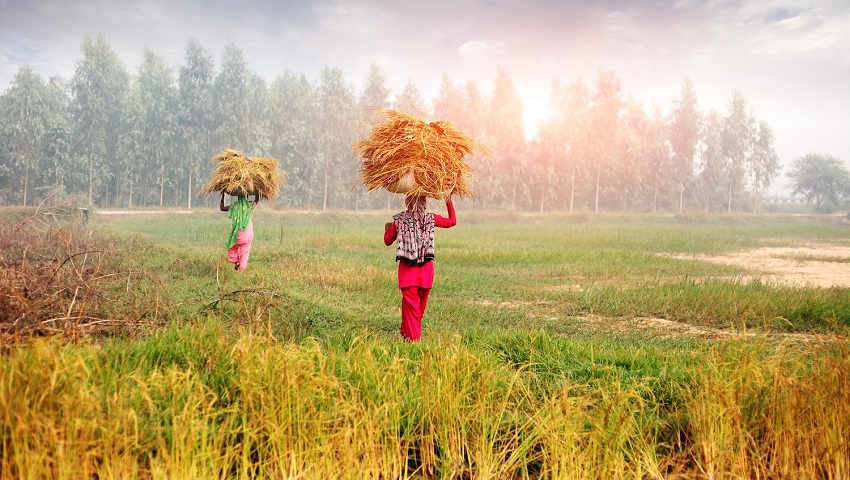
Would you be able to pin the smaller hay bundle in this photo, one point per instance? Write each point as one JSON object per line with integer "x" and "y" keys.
{"x": 404, "y": 154}
{"x": 239, "y": 174}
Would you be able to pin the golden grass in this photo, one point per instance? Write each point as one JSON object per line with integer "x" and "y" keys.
{"x": 384, "y": 411}
{"x": 404, "y": 154}
{"x": 239, "y": 174}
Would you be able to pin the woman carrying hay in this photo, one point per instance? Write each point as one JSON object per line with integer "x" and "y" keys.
{"x": 404, "y": 154}
{"x": 413, "y": 232}
{"x": 241, "y": 235}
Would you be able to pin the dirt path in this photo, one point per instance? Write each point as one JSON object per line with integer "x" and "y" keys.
{"x": 819, "y": 265}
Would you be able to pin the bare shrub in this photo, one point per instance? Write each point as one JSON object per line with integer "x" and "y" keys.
{"x": 58, "y": 278}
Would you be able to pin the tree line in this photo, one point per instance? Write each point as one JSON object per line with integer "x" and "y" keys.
{"x": 111, "y": 138}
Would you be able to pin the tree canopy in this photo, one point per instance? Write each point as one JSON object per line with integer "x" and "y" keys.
{"x": 822, "y": 179}
{"x": 145, "y": 138}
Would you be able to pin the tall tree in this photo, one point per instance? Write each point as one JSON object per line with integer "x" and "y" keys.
{"x": 820, "y": 178}
{"x": 138, "y": 161}
{"x": 633, "y": 150}
{"x": 449, "y": 102}
{"x": 258, "y": 124}
{"x": 605, "y": 111}
{"x": 231, "y": 94}
{"x": 411, "y": 101}
{"x": 373, "y": 99}
{"x": 709, "y": 186}
{"x": 196, "y": 112}
{"x": 506, "y": 130}
{"x": 376, "y": 93}
{"x": 764, "y": 163}
{"x": 657, "y": 159}
{"x": 292, "y": 101}
{"x": 26, "y": 113}
{"x": 57, "y": 140}
{"x": 99, "y": 87}
{"x": 737, "y": 140}
{"x": 338, "y": 117}
{"x": 474, "y": 111}
{"x": 578, "y": 135}
{"x": 158, "y": 95}
{"x": 684, "y": 135}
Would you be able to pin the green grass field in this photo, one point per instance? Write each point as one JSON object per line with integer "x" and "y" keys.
{"x": 537, "y": 360}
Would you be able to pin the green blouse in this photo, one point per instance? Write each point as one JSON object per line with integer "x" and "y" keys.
{"x": 240, "y": 214}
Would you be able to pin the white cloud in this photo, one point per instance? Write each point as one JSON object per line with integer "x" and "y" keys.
{"x": 474, "y": 47}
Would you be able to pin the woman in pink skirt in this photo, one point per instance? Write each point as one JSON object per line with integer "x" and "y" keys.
{"x": 413, "y": 230}
{"x": 241, "y": 235}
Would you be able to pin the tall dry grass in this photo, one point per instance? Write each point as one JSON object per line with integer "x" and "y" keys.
{"x": 764, "y": 413}
{"x": 210, "y": 404}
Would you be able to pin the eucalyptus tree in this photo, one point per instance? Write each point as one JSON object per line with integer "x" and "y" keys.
{"x": 465, "y": 108}
{"x": 821, "y": 178}
{"x": 684, "y": 135}
{"x": 195, "y": 111}
{"x": 374, "y": 98}
{"x": 140, "y": 163}
{"x": 411, "y": 101}
{"x": 160, "y": 126}
{"x": 474, "y": 110}
{"x": 259, "y": 141}
{"x": 658, "y": 158}
{"x": 375, "y": 95}
{"x": 449, "y": 102}
{"x": 338, "y": 117}
{"x": 577, "y": 131}
{"x": 546, "y": 153}
{"x": 737, "y": 141}
{"x": 604, "y": 114}
{"x": 292, "y": 115}
{"x": 549, "y": 151}
{"x": 99, "y": 86}
{"x": 633, "y": 152}
{"x": 25, "y": 110}
{"x": 232, "y": 124}
{"x": 505, "y": 179}
{"x": 56, "y": 146}
{"x": 709, "y": 186}
{"x": 764, "y": 162}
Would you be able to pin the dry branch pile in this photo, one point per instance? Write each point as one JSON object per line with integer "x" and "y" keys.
{"x": 404, "y": 154}
{"x": 239, "y": 174}
{"x": 56, "y": 278}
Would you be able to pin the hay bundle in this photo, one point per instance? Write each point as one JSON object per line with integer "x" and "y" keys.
{"x": 404, "y": 154}
{"x": 239, "y": 174}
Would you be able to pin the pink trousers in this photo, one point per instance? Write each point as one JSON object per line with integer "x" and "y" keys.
{"x": 239, "y": 252}
{"x": 413, "y": 303}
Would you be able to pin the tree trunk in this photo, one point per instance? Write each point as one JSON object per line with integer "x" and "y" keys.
{"x": 130, "y": 196}
{"x": 755, "y": 201}
{"x": 655, "y": 199}
{"x": 729, "y": 203}
{"x": 189, "y": 192}
{"x": 91, "y": 179}
{"x": 161, "y": 187}
{"x": 572, "y": 191}
{"x": 26, "y": 184}
{"x": 325, "y": 194}
{"x": 598, "y": 174}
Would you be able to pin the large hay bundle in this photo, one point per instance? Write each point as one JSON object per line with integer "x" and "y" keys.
{"x": 238, "y": 174}
{"x": 404, "y": 154}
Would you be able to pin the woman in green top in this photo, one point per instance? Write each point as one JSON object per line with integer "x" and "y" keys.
{"x": 241, "y": 230}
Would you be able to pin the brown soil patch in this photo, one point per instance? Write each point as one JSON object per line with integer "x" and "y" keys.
{"x": 810, "y": 265}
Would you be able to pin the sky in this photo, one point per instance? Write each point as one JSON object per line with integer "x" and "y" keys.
{"x": 789, "y": 58}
